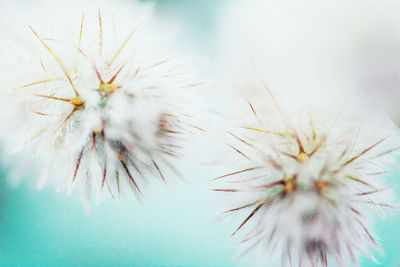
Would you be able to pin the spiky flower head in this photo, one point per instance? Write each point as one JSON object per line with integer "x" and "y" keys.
{"x": 305, "y": 184}
{"x": 103, "y": 102}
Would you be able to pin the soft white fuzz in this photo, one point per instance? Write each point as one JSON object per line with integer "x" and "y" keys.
{"x": 97, "y": 98}
{"x": 306, "y": 182}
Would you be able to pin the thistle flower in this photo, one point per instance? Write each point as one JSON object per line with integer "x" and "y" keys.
{"x": 304, "y": 185}
{"x": 101, "y": 108}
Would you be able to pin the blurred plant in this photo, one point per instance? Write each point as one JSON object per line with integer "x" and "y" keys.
{"x": 307, "y": 183}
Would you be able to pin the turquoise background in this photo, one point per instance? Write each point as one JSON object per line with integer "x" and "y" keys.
{"x": 174, "y": 227}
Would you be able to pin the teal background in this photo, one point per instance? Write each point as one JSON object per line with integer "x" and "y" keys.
{"x": 172, "y": 228}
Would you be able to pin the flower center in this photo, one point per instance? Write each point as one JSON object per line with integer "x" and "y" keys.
{"x": 289, "y": 184}
{"x": 320, "y": 185}
{"x": 77, "y": 102}
{"x": 108, "y": 88}
{"x": 302, "y": 157}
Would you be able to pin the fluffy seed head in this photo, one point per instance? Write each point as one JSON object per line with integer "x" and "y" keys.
{"x": 304, "y": 185}
{"x": 102, "y": 106}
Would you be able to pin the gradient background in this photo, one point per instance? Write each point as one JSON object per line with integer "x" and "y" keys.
{"x": 172, "y": 228}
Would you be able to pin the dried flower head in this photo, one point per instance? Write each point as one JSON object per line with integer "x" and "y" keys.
{"x": 101, "y": 107}
{"x": 305, "y": 185}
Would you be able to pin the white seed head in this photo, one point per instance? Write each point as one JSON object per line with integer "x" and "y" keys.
{"x": 305, "y": 184}
{"x": 100, "y": 98}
